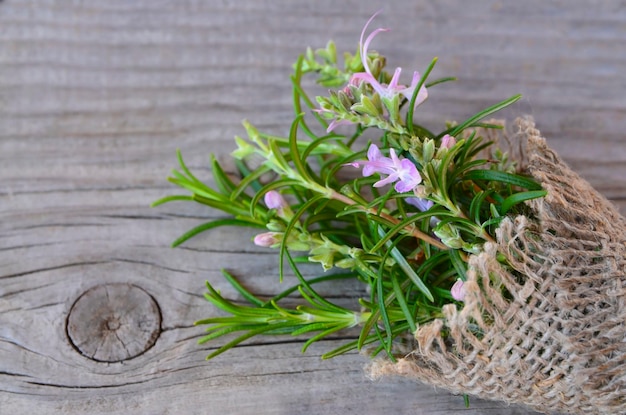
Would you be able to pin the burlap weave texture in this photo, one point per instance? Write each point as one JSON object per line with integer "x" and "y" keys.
{"x": 549, "y": 331}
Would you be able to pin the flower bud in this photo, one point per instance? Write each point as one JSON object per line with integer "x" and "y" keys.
{"x": 447, "y": 141}
{"x": 273, "y": 200}
{"x": 422, "y": 191}
{"x": 295, "y": 245}
{"x": 428, "y": 151}
{"x": 244, "y": 149}
{"x": 458, "y": 290}
{"x": 276, "y": 226}
{"x": 449, "y": 235}
{"x": 345, "y": 263}
{"x": 252, "y": 132}
{"x": 323, "y": 254}
{"x": 472, "y": 248}
{"x": 344, "y": 99}
{"x": 268, "y": 239}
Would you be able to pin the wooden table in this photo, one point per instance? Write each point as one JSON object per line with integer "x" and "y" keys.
{"x": 95, "y": 98}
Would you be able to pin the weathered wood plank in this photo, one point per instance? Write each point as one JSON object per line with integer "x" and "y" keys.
{"x": 96, "y": 96}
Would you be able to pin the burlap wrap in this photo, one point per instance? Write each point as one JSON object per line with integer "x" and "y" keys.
{"x": 556, "y": 339}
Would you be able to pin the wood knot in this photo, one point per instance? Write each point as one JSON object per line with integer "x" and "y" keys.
{"x": 113, "y": 322}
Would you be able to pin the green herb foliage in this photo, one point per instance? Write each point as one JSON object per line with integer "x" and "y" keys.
{"x": 407, "y": 248}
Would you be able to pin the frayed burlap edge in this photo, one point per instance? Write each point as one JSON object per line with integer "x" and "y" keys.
{"x": 547, "y": 332}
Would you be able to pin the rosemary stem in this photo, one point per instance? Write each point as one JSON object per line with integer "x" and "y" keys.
{"x": 414, "y": 232}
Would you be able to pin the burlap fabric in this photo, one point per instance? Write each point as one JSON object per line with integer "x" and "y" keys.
{"x": 549, "y": 331}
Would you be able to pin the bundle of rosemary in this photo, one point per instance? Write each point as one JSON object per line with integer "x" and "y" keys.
{"x": 404, "y": 229}
{"x": 446, "y": 232}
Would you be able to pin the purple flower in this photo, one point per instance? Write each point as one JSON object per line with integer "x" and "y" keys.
{"x": 423, "y": 205}
{"x": 403, "y": 171}
{"x": 394, "y": 88}
{"x": 458, "y": 290}
{"x": 418, "y": 202}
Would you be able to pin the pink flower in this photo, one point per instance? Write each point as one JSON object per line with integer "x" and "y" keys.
{"x": 394, "y": 88}
{"x": 267, "y": 239}
{"x": 273, "y": 200}
{"x": 335, "y": 123}
{"x": 403, "y": 171}
{"x": 458, "y": 290}
{"x": 447, "y": 141}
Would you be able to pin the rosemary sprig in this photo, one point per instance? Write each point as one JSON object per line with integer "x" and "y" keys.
{"x": 403, "y": 230}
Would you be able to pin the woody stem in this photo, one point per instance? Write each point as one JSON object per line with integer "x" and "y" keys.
{"x": 414, "y": 232}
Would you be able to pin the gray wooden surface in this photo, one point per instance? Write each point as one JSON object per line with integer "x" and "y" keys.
{"x": 96, "y": 96}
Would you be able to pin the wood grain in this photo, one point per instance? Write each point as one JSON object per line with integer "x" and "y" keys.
{"x": 95, "y": 97}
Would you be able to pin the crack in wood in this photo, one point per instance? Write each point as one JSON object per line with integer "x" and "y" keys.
{"x": 152, "y": 264}
{"x": 55, "y": 268}
{"x": 60, "y": 225}
{"x": 5, "y": 373}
